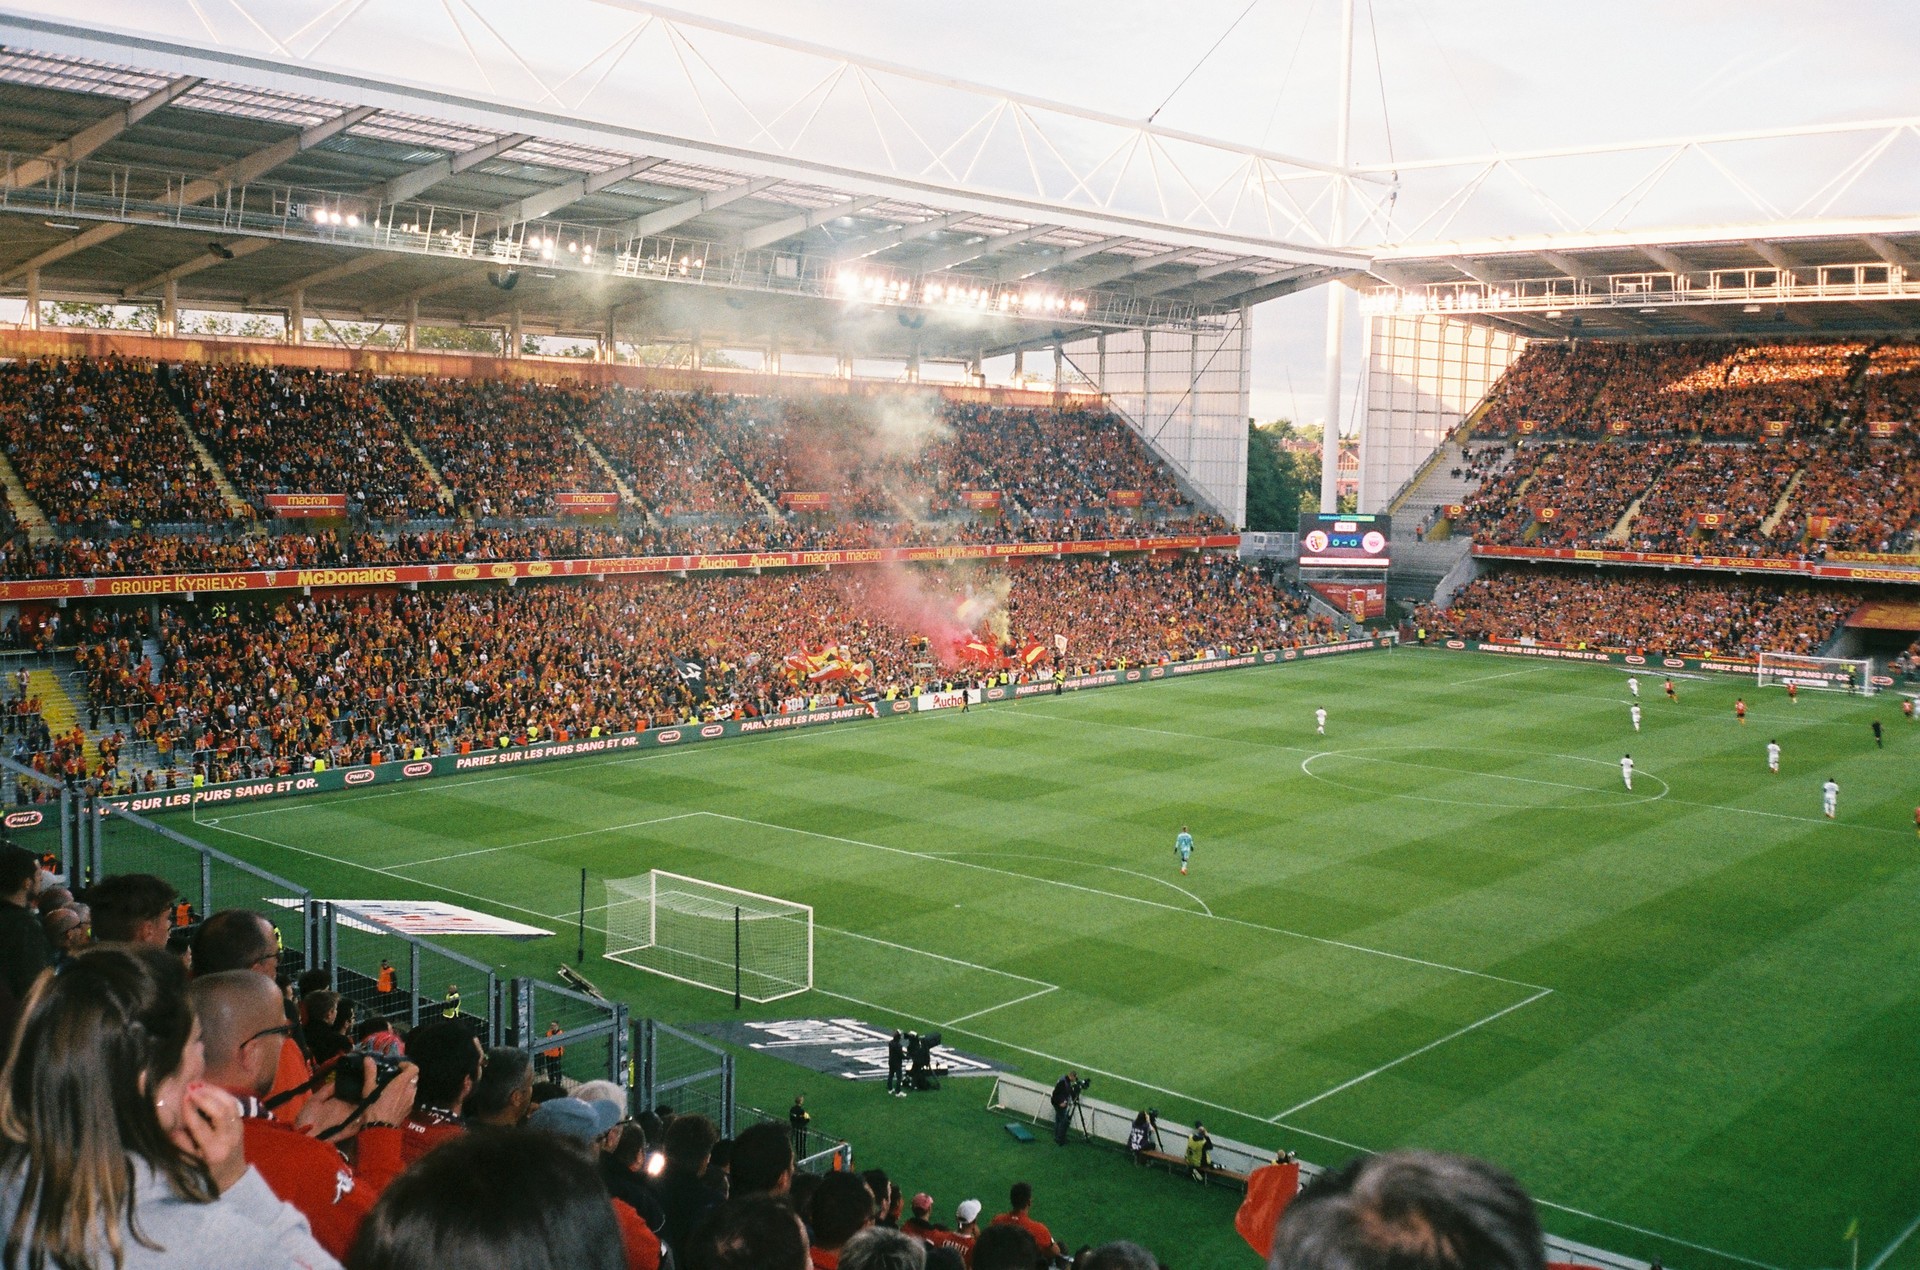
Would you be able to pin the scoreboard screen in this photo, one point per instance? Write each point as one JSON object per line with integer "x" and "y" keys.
{"x": 1344, "y": 542}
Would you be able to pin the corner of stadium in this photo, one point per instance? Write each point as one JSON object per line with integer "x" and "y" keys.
{"x": 436, "y": 459}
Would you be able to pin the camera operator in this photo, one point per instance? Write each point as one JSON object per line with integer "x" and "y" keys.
{"x": 242, "y": 1025}
{"x": 1066, "y": 1093}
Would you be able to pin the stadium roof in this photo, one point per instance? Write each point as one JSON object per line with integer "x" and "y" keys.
{"x": 242, "y": 172}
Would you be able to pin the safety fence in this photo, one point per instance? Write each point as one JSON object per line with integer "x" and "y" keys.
{"x": 681, "y": 1071}
{"x": 399, "y": 976}
{"x": 39, "y": 812}
{"x": 573, "y": 1036}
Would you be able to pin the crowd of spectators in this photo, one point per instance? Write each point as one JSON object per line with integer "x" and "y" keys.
{"x": 1563, "y": 494}
{"x": 1642, "y": 613}
{"x": 504, "y": 447}
{"x": 293, "y": 430}
{"x": 97, "y": 443}
{"x": 1738, "y": 483}
{"x": 248, "y": 689}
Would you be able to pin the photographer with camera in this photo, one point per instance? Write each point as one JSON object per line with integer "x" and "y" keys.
{"x": 242, "y": 1025}
{"x": 1066, "y": 1096}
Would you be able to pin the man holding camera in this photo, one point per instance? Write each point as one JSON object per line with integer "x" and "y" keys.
{"x": 1066, "y": 1092}
{"x": 242, "y": 1026}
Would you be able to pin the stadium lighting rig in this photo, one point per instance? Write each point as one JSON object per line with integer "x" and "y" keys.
{"x": 954, "y": 293}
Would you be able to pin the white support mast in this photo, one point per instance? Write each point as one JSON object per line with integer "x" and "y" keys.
{"x": 1336, "y": 293}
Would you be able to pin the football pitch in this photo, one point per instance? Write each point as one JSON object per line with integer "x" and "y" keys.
{"x": 1687, "y": 1017}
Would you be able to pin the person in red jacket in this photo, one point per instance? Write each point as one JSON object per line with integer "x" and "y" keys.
{"x": 450, "y": 1061}
{"x": 242, "y": 1023}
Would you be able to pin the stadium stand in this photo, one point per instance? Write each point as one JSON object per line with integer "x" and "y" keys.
{"x": 255, "y": 689}
{"x": 1696, "y": 617}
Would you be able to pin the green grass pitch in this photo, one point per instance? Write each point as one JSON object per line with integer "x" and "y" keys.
{"x": 1687, "y": 1017}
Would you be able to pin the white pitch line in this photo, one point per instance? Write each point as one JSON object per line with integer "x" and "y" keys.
{"x": 1894, "y": 1247}
{"x": 536, "y": 842}
{"x": 1114, "y": 868}
{"x": 1505, "y": 674}
{"x": 970, "y": 965}
{"x": 1052, "y": 987}
{"x": 1430, "y": 1045}
{"x": 1363, "y": 757}
{"x": 1130, "y": 899}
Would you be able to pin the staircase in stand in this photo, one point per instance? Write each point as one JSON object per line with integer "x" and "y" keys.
{"x": 1779, "y": 511}
{"x": 237, "y": 506}
{"x": 20, "y": 503}
{"x": 60, "y": 707}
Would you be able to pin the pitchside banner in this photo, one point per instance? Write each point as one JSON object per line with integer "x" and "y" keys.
{"x": 1344, "y": 542}
{"x": 1608, "y": 657}
{"x": 212, "y": 797}
{"x": 501, "y": 570}
{"x": 581, "y": 504}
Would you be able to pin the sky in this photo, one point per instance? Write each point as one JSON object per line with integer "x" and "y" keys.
{"x": 1432, "y": 78}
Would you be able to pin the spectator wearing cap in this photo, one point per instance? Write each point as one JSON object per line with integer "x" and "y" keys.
{"x": 587, "y": 1124}
{"x": 922, "y": 1226}
{"x": 1019, "y": 1213}
{"x": 24, "y": 950}
{"x": 621, "y": 1172}
{"x": 241, "y": 1024}
{"x": 966, "y": 1218}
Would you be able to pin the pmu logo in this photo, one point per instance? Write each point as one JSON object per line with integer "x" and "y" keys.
{"x": 1158, "y": 672}
{"x": 669, "y": 736}
{"x": 23, "y": 819}
{"x": 1672, "y": 663}
{"x": 712, "y": 730}
{"x": 1635, "y": 659}
{"x": 1133, "y": 676}
{"x": 359, "y": 776}
{"x": 421, "y": 768}
{"x": 1879, "y": 681}
{"x": 1456, "y": 643}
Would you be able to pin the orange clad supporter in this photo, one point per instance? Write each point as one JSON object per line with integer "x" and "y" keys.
{"x": 241, "y": 1019}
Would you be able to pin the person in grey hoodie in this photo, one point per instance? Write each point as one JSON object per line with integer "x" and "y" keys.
{"x": 113, "y": 1151}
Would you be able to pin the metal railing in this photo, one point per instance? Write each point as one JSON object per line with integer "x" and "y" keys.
{"x": 593, "y": 1037}
{"x": 120, "y": 841}
{"x": 357, "y": 950}
{"x": 684, "y": 1072}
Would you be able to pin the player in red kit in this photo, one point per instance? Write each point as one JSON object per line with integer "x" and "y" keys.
{"x": 1740, "y": 710}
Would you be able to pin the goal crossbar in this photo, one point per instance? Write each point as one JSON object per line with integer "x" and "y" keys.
{"x": 759, "y": 947}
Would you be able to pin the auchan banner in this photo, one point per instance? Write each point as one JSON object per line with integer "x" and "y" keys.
{"x": 293, "y": 505}
{"x": 1737, "y": 564}
{"x": 339, "y": 778}
{"x": 501, "y": 570}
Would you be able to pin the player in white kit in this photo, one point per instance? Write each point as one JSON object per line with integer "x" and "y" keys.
{"x": 1633, "y": 686}
{"x": 1773, "y": 757}
{"x": 1320, "y": 721}
{"x": 1635, "y": 712}
{"x": 1626, "y": 771}
{"x": 1830, "y": 797}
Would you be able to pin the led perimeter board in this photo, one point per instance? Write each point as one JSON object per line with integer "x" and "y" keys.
{"x": 1344, "y": 542}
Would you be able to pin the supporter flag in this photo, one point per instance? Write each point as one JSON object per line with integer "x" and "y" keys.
{"x": 1269, "y": 1191}
{"x": 690, "y": 670}
{"x": 1032, "y": 653}
{"x": 1060, "y": 642}
{"x": 973, "y": 648}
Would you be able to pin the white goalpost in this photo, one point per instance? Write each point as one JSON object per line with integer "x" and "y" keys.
{"x": 1836, "y": 674}
{"x": 758, "y": 947}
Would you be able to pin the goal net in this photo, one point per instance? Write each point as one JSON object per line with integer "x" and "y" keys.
{"x": 1838, "y": 674}
{"x": 711, "y": 936}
